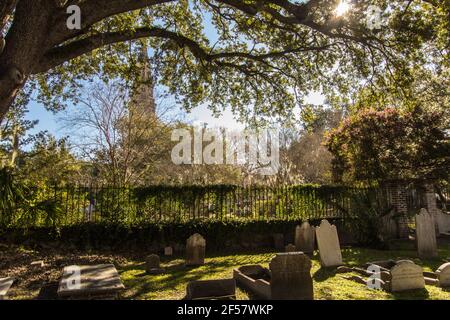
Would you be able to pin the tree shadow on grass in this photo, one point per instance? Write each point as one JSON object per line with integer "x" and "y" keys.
{"x": 324, "y": 273}
{"x": 175, "y": 275}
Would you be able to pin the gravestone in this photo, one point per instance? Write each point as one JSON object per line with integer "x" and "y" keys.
{"x": 443, "y": 222}
{"x": 291, "y": 277}
{"x": 222, "y": 289}
{"x": 168, "y": 251}
{"x": 328, "y": 244}
{"x": 278, "y": 241}
{"x": 389, "y": 227}
{"x": 90, "y": 282}
{"x": 426, "y": 235}
{"x": 195, "y": 250}
{"x": 152, "y": 264}
{"x": 290, "y": 248}
{"x": 5, "y": 285}
{"x": 443, "y": 274}
{"x": 304, "y": 237}
{"x": 406, "y": 275}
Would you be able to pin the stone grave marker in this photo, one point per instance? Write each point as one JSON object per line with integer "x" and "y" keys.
{"x": 168, "y": 251}
{"x": 195, "y": 250}
{"x": 328, "y": 244}
{"x": 291, "y": 277}
{"x": 426, "y": 235}
{"x": 152, "y": 264}
{"x": 443, "y": 222}
{"x": 222, "y": 289}
{"x": 90, "y": 282}
{"x": 290, "y": 248}
{"x": 5, "y": 285}
{"x": 443, "y": 274}
{"x": 406, "y": 275}
{"x": 304, "y": 237}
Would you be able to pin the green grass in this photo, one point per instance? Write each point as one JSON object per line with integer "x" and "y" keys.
{"x": 327, "y": 284}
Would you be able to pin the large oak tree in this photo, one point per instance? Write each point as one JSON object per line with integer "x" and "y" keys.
{"x": 259, "y": 56}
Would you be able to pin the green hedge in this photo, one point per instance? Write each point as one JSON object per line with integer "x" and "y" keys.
{"x": 219, "y": 234}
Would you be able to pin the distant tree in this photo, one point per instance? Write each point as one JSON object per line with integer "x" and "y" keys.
{"x": 14, "y": 131}
{"x": 124, "y": 141}
{"x": 48, "y": 162}
{"x": 392, "y": 144}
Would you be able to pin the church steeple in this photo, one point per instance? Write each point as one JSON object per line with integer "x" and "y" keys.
{"x": 143, "y": 95}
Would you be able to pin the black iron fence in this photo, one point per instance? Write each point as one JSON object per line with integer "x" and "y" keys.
{"x": 76, "y": 204}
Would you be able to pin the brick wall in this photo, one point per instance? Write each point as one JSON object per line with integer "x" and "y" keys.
{"x": 397, "y": 197}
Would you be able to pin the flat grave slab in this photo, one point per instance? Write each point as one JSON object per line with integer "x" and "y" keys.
{"x": 95, "y": 282}
{"x": 221, "y": 289}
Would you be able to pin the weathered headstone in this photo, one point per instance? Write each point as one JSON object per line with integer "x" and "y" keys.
{"x": 406, "y": 275}
{"x": 426, "y": 235}
{"x": 304, "y": 237}
{"x": 291, "y": 277}
{"x": 328, "y": 244}
{"x": 195, "y": 250}
{"x": 389, "y": 227}
{"x": 443, "y": 222}
{"x": 152, "y": 264}
{"x": 168, "y": 251}
{"x": 443, "y": 274}
{"x": 90, "y": 282}
{"x": 5, "y": 285}
{"x": 222, "y": 289}
{"x": 278, "y": 241}
{"x": 290, "y": 248}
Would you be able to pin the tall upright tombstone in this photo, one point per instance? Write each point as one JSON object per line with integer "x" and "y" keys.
{"x": 195, "y": 250}
{"x": 291, "y": 277}
{"x": 406, "y": 275}
{"x": 426, "y": 235}
{"x": 304, "y": 237}
{"x": 328, "y": 244}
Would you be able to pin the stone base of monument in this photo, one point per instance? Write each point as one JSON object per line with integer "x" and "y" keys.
{"x": 255, "y": 279}
{"x": 155, "y": 271}
{"x": 97, "y": 282}
{"x": 5, "y": 286}
{"x": 222, "y": 289}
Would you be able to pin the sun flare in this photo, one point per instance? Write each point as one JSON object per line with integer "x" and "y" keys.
{"x": 342, "y": 8}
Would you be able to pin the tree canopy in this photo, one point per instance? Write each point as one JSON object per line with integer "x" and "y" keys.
{"x": 392, "y": 144}
{"x": 261, "y": 57}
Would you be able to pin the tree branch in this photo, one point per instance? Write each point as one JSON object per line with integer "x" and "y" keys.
{"x": 94, "y": 11}
{"x": 75, "y": 49}
{"x": 6, "y": 10}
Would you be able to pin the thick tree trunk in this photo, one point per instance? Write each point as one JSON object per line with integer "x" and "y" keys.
{"x": 8, "y": 92}
{"x": 25, "y": 44}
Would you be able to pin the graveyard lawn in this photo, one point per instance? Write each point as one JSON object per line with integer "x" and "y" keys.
{"x": 172, "y": 284}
